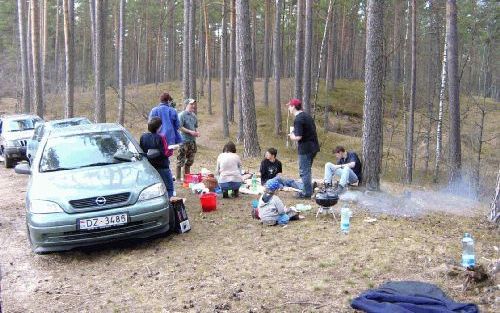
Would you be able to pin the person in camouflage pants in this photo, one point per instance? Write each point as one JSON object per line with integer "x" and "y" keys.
{"x": 188, "y": 125}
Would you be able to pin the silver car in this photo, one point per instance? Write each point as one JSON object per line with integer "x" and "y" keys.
{"x": 43, "y": 128}
{"x": 92, "y": 184}
{"x": 15, "y": 131}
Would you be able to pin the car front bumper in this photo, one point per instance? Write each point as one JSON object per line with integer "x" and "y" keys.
{"x": 17, "y": 153}
{"x": 59, "y": 231}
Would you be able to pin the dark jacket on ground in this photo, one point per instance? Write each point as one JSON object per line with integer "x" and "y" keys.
{"x": 409, "y": 297}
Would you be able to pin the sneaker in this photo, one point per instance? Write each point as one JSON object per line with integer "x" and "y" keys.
{"x": 300, "y": 195}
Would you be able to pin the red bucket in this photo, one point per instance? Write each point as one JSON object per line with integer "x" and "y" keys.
{"x": 208, "y": 202}
{"x": 192, "y": 178}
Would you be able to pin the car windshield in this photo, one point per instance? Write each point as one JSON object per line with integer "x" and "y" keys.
{"x": 85, "y": 150}
{"x": 20, "y": 125}
{"x": 71, "y": 123}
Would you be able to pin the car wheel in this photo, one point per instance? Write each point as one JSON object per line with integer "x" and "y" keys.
{"x": 9, "y": 163}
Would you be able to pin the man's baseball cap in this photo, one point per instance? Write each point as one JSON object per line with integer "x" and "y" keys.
{"x": 294, "y": 102}
{"x": 189, "y": 101}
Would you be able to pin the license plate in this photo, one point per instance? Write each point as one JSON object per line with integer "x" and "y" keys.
{"x": 103, "y": 221}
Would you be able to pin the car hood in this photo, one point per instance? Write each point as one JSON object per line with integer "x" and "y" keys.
{"x": 26, "y": 134}
{"x": 64, "y": 186}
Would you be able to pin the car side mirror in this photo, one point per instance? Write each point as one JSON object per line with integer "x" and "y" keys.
{"x": 23, "y": 168}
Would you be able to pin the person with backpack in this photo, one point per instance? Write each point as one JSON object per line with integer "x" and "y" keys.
{"x": 153, "y": 140}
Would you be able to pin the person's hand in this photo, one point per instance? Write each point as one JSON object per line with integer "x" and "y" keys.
{"x": 195, "y": 133}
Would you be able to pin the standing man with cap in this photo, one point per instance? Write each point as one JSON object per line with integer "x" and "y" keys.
{"x": 304, "y": 132}
{"x": 188, "y": 125}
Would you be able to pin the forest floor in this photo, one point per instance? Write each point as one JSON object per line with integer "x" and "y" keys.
{"x": 229, "y": 262}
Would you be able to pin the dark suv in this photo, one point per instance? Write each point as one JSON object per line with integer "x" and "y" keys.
{"x": 15, "y": 131}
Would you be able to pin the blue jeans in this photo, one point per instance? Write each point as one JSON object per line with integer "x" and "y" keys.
{"x": 347, "y": 176}
{"x": 283, "y": 219}
{"x": 284, "y": 182}
{"x": 166, "y": 176}
{"x": 305, "y": 172}
{"x": 230, "y": 185}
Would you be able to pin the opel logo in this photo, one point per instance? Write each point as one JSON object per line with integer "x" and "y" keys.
{"x": 100, "y": 201}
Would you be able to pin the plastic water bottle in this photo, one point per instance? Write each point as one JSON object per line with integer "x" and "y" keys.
{"x": 254, "y": 182}
{"x": 345, "y": 215}
{"x": 468, "y": 258}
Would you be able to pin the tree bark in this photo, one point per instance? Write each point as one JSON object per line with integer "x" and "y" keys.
{"x": 35, "y": 47}
{"x": 299, "y": 49}
{"x": 454, "y": 155}
{"x": 45, "y": 34}
{"x": 121, "y": 79}
{"x": 267, "y": 30}
{"x": 69, "y": 46}
{"x": 277, "y": 67}
{"x": 306, "y": 79}
{"x": 92, "y": 31}
{"x": 232, "y": 60}
{"x": 372, "y": 110}
{"x": 192, "y": 50}
{"x": 396, "y": 60}
{"x": 330, "y": 62}
{"x": 250, "y": 137}
{"x": 24, "y": 56}
{"x": 439, "y": 126}
{"x": 411, "y": 109}
{"x": 185, "y": 51}
{"x": 208, "y": 58}
{"x": 225, "y": 125}
{"x": 100, "y": 66}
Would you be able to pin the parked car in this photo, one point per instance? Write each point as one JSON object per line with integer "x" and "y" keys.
{"x": 15, "y": 131}
{"x": 92, "y": 184}
{"x": 43, "y": 128}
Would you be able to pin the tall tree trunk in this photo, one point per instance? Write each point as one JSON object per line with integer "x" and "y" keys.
{"x": 455, "y": 154}
{"x": 121, "y": 80}
{"x": 267, "y": 30}
{"x": 56, "y": 45}
{"x": 250, "y": 137}
{"x": 45, "y": 34}
{"x": 330, "y": 62}
{"x": 321, "y": 54}
{"x": 208, "y": 59}
{"x": 92, "y": 31}
{"x": 35, "y": 47}
{"x": 100, "y": 66}
{"x": 185, "y": 51}
{"x": 439, "y": 126}
{"x": 277, "y": 67}
{"x": 306, "y": 79}
{"x": 411, "y": 109}
{"x": 225, "y": 126}
{"x": 116, "y": 39}
{"x": 299, "y": 49}
{"x": 232, "y": 60}
{"x": 372, "y": 110}
{"x": 69, "y": 48}
{"x": 24, "y": 55}
{"x": 192, "y": 50}
{"x": 396, "y": 59}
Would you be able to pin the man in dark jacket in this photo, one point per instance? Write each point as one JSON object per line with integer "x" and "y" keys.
{"x": 153, "y": 140}
{"x": 348, "y": 168}
{"x": 304, "y": 132}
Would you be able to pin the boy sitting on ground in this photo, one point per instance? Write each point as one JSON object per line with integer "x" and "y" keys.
{"x": 270, "y": 168}
{"x": 348, "y": 168}
{"x": 271, "y": 209}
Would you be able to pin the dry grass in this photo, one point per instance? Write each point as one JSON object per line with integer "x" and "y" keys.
{"x": 229, "y": 262}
